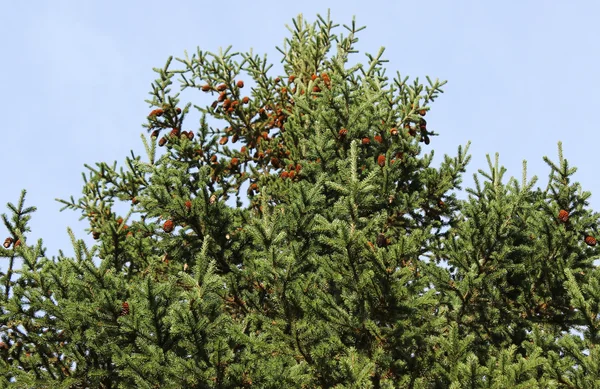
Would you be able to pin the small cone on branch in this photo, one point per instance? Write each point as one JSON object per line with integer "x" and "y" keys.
{"x": 168, "y": 226}
{"x": 7, "y": 242}
{"x": 125, "y": 308}
{"x": 563, "y": 216}
{"x": 590, "y": 240}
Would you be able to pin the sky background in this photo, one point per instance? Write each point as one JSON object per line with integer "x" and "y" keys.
{"x": 522, "y": 75}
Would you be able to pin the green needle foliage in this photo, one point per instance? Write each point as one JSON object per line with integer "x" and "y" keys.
{"x": 290, "y": 231}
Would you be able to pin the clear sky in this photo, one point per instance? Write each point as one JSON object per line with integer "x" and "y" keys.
{"x": 522, "y": 75}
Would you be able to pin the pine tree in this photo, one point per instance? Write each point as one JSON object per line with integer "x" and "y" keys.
{"x": 300, "y": 237}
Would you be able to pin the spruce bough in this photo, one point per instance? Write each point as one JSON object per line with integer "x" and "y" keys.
{"x": 298, "y": 236}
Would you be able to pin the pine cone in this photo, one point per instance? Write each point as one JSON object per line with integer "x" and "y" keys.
{"x": 7, "y": 242}
{"x": 168, "y": 226}
{"x": 590, "y": 240}
{"x": 125, "y": 308}
{"x": 563, "y": 216}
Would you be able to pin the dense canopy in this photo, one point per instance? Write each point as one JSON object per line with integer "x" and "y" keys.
{"x": 289, "y": 230}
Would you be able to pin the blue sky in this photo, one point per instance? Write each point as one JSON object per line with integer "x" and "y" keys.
{"x": 521, "y": 76}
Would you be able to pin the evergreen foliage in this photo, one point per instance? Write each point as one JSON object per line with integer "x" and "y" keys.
{"x": 300, "y": 237}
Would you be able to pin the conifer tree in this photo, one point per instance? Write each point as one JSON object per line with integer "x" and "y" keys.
{"x": 297, "y": 235}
